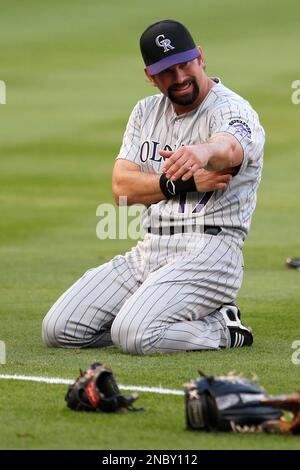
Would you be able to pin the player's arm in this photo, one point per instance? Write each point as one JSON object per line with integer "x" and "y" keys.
{"x": 139, "y": 188}
{"x": 221, "y": 151}
{"x": 225, "y": 152}
{"x": 144, "y": 188}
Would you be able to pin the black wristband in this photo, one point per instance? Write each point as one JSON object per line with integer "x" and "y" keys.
{"x": 171, "y": 188}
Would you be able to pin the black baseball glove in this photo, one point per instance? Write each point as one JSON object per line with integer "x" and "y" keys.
{"x": 96, "y": 390}
{"x": 233, "y": 403}
{"x": 293, "y": 263}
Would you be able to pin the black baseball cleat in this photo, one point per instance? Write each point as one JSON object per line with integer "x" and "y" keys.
{"x": 240, "y": 335}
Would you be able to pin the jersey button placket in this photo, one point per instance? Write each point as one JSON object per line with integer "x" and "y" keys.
{"x": 176, "y": 132}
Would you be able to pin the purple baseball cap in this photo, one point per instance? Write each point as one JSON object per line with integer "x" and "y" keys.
{"x": 167, "y": 43}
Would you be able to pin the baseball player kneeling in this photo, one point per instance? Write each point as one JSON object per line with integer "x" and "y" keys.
{"x": 193, "y": 155}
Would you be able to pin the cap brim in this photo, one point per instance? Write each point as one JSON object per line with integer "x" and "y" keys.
{"x": 173, "y": 59}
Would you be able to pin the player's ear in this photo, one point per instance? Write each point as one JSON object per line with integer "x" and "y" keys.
{"x": 201, "y": 57}
{"x": 149, "y": 77}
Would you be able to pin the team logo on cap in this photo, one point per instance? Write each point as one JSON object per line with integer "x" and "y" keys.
{"x": 165, "y": 43}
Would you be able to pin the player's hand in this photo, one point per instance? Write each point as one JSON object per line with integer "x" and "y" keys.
{"x": 184, "y": 162}
{"x": 211, "y": 180}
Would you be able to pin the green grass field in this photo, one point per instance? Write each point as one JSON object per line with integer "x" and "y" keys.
{"x": 73, "y": 73}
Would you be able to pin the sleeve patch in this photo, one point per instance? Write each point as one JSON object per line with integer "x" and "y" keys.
{"x": 241, "y": 128}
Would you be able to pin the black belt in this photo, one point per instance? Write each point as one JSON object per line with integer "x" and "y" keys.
{"x": 171, "y": 230}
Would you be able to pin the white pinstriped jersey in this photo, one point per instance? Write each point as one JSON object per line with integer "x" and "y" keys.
{"x": 154, "y": 125}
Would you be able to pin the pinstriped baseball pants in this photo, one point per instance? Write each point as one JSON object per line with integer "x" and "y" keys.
{"x": 162, "y": 295}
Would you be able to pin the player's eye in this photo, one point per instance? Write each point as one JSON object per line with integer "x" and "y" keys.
{"x": 185, "y": 64}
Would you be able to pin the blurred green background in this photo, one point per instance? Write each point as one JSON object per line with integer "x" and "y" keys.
{"x": 73, "y": 72}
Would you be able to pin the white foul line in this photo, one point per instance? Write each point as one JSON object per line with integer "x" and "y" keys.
{"x": 57, "y": 380}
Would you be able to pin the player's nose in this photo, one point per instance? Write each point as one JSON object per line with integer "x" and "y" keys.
{"x": 179, "y": 75}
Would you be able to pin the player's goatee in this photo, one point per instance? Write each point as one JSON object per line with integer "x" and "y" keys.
{"x": 186, "y": 99}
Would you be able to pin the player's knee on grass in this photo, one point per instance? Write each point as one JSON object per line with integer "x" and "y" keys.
{"x": 134, "y": 339}
{"x": 54, "y": 334}
{"x": 65, "y": 332}
{"x": 62, "y": 333}
{"x": 48, "y": 334}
